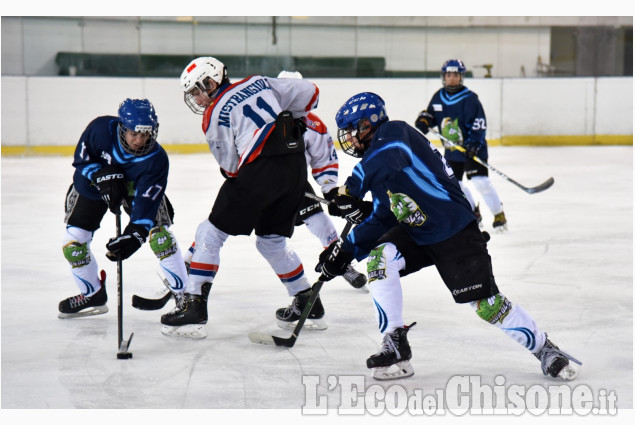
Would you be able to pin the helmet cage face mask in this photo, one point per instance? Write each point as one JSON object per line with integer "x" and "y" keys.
{"x": 198, "y": 88}
{"x": 196, "y": 76}
{"x": 453, "y": 65}
{"x": 138, "y": 116}
{"x": 347, "y": 137}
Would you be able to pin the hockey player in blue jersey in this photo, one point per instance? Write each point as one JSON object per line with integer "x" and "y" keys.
{"x": 118, "y": 162}
{"x": 459, "y": 115}
{"x": 419, "y": 217}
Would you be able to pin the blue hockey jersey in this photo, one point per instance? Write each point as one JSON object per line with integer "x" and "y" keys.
{"x": 411, "y": 185}
{"x": 146, "y": 175}
{"x": 459, "y": 117}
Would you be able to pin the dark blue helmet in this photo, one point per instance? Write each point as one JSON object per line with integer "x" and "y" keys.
{"x": 138, "y": 115}
{"x": 453, "y": 65}
{"x": 361, "y": 112}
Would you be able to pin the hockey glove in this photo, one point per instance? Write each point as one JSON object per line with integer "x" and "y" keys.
{"x": 424, "y": 121}
{"x": 128, "y": 243}
{"x": 354, "y": 210}
{"x": 331, "y": 194}
{"x": 111, "y": 183}
{"x": 333, "y": 261}
{"x": 471, "y": 148}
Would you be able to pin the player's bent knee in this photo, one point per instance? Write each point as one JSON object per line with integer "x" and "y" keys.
{"x": 493, "y": 309}
{"x": 378, "y": 263}
{"x": 76, "y": 246}
{"x": 162, "y": 242}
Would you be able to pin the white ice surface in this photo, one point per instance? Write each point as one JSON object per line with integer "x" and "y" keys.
{"x": 567, "y": 259}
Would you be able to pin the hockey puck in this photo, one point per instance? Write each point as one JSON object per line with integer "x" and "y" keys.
{"x": 125, "y": 355}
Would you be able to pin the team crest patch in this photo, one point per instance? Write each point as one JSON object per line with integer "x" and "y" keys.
{"x": 451, "y": 130}
{"x": 376, "y": 264}
{"x": 406, "y": 210}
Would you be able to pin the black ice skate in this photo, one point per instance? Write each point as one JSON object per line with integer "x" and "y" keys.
{"x": 479, "y": 217}
{"x": 555, "y": 362}
{"x": 286, "y": 316}
{"x": 80, "y": 305}
{"x": 355, "y": 278}
{"x": 189, "y": 316}
{"x": 395, "y": 353}
{"x": 500, "y": 223}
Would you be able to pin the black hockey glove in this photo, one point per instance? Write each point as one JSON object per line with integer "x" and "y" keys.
{"x": 471, "y": 148}
{"x": 128, "y": 243}
{"x": 424, "y": 121}
{"x": 333, "y": 261}
{"x": 354, "y": 210}
{"x": 331, "y": 194}
{"x": 111, "y": 183}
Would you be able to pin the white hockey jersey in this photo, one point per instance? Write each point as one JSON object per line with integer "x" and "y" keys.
{"x": 320, "y": 153}
{"x": 239, "y": 121}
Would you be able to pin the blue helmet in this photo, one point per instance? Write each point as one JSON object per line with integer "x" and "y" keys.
{"x": 453, "y": 65}
{"x": 138, "y": 115}
{"x": 361, "y": 112}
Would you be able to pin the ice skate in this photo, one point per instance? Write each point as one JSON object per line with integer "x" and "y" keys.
{"x": 500, "y": 223}
{"x": 393, "y": 360}
{"x": 479, "y": 217}
{"x": 287, "y": 316}
{"x": 355, "y": 278}
{"x": 189, "y": 317}
{"x": 555, "y": 362}
{"x": 81, "y": 306}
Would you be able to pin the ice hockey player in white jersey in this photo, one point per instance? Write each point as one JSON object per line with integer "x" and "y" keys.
{"x": 254, "y": 130}
{"x": 321, "y": 157}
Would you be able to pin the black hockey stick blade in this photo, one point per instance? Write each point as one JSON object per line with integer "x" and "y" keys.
{"x": 141, "y": 303}
{"x": 541, "y": 187}
{"x": 123, "y": 353}
{"x": 261, "y": 338}
{"x": 148, "y": 304}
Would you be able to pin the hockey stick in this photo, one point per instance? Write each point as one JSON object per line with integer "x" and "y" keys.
{"x": 316, "y": 198}
{"x": 147, "y": 304}
{"x": 266, "y": 339}
{"x": 541, "y": 187}
{"x": 123, "y": 345}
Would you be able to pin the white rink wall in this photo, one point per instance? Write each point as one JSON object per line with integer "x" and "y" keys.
{"x": 53, "y": 111}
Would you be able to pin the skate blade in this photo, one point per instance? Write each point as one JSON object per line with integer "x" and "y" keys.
{"x": 500, "y": 229}
{"x": 568, "y": 373}
{"x": 185, "y": 331}
{"x": 91, "y": 311}
{"x": 310, "y": 324}
{"x": 397, "y": 371}
{"x": 364, "y": 289}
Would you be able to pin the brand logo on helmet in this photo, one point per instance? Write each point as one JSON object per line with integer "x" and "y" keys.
{"x": 191, "y": 67}
{"x": 143, "y": 128}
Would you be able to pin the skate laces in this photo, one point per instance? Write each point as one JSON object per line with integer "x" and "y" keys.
{"x": 389, "y": 344}
{"x": 77, "y": 301}
{"x": 549, "y": 353}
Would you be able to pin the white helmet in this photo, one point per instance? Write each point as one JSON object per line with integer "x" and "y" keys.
{"x": 194, "y": 76}
{"x": 290, "y": 74}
